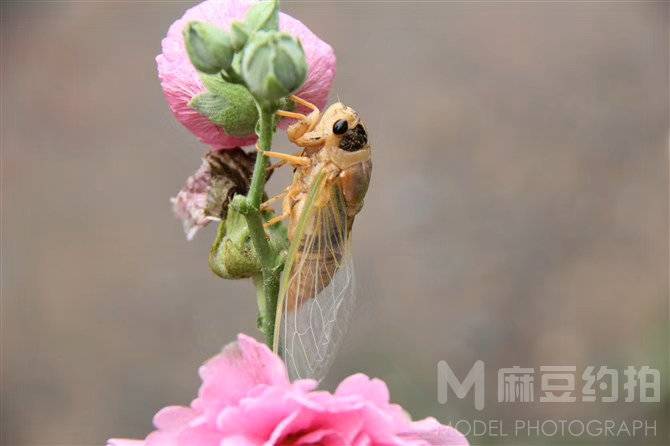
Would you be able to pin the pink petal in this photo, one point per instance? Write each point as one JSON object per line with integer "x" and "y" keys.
{"x": 241, "y": 440}
{"x": 373, "y": 390}
{"x": 296, "y": 421}
{"x": 375, "y": 393}
{"x": 348, "y": 425}
{"x": 305, "y": 385}
{"x": 172, "y": 417}
{"x": 124, "y": 442}
{"x": 433, "y": 433}
{"x": 198, "y": 436}
{"x": 362, "y": 440}
{"x": 322, "y": 401}
{"x": 257, "y": 415}
{"x": 325, "y": 437}
{"x": 229, "y": 376}
{"x": 161, "y": 438}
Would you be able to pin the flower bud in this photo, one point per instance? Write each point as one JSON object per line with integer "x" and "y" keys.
{"x": 208, "y": 47}
{"x": 273, "y": 65}
{"x": 232, "y": 255}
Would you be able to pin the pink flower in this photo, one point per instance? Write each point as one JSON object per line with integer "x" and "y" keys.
{"x": 246, "y": 399}
{"x": 180, "y": 81}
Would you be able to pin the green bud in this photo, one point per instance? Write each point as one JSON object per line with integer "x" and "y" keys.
{"x": 227, "y": 105}
{"x": 208, "y": 47}
{"x": 238, "y": 36}
{"x": 232, "y": 255}
{"x": 273, "y": 65}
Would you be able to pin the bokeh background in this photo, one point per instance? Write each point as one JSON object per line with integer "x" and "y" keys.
{"x": 518, "y": 212}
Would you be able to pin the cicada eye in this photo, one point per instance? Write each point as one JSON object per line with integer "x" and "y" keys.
{"x": 340, "y": 127}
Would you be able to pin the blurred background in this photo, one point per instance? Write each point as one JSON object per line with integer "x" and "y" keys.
{"x": 518, "y": 212}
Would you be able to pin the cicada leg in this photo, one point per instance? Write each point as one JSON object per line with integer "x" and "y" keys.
{"x": 275, "y": 166}
{"x": 304, "y": 102}
{"x": 290, "y": 114}
{"x": 267, "y": 204}
{"x": 293, "y": 160}
{"x": 277, "y": 219}
{"x": 286, "y": 206}
{"x": 306, "y": 123}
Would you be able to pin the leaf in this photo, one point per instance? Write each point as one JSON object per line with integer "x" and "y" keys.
{"x": 263, "y": 16}
{"x": 230, "y": 106}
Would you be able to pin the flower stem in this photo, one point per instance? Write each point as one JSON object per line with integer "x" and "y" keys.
{"x": 268, "y": 285}
{"x": 256, "y": 188}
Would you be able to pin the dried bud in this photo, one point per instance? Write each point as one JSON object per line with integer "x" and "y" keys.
{"x": 207, "y": 193}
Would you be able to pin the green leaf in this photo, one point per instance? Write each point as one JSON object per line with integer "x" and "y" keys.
{"x": 214, "y": 83}
{"x": 263, "y": 16}
{"x": 230, "y": 106}
{"x": 237, "y": 64}
{"x": 210, "y": 105}
{"x": 238, "y": 35}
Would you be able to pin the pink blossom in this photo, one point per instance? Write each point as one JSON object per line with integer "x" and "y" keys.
{"x": 180, "y": 81}
{"x": 246, "y": 399}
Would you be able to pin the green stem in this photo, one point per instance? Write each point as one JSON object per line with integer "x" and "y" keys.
{"x": 271, "y": 291}
{"x": 266, "y": 307}
{"x": 264, "y": 142}
{"x": 268, "y": 285}
{"x": 266, "y": 254}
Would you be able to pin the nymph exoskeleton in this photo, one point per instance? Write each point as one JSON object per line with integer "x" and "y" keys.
{"x": 316, "y": 296}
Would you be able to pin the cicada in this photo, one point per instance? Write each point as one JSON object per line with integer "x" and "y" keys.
{"x": 331, "y": 178}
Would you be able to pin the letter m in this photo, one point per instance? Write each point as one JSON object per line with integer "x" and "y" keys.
{"x": 475, "y": 378}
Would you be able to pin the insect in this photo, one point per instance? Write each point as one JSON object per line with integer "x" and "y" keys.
{"x": 331, "y": 177}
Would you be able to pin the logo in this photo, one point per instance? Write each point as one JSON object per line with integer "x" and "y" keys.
{"x": 446, "y": 378}
{"x": 553, "y": 384}
{"x": 557, "y": 385}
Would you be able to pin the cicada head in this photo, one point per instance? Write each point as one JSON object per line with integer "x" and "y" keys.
{"x": 341, "y": 127}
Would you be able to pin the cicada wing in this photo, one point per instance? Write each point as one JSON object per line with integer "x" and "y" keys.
{"x": 312, "y": 333}
{"x": 317, "y": 292}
